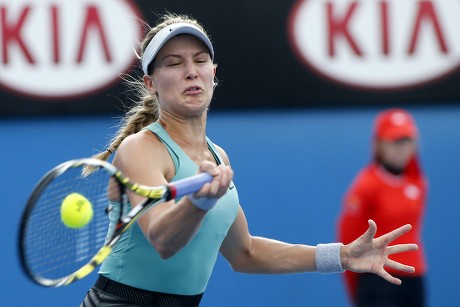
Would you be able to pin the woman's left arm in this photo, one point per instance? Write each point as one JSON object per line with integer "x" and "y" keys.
{"x": 249, "y": 254}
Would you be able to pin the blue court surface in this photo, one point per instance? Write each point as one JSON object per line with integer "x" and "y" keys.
{"x": 291, "y": 170}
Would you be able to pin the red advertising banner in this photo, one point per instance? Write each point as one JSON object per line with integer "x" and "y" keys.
{"x": 68, "y": 57}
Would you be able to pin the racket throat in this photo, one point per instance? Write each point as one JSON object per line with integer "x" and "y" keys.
{"x": 170, "y": 193}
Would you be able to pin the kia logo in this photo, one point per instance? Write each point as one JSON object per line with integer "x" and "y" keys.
{"x": 377, "y": 44}
{"x": 61, "y": 49}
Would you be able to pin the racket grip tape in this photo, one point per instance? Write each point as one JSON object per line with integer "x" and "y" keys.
{"x": 189, "y": 185}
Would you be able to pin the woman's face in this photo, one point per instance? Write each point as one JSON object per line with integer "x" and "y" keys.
{"x": 396, "y": 153}
{"x": 183, "y": 76}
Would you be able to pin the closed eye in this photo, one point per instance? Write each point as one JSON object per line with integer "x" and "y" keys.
{"x": 173, "y": 64}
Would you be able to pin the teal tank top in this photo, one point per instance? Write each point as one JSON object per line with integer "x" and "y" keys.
{"x": 135, "y": 262}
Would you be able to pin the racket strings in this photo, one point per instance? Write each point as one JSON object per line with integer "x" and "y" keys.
{"x": 54, "y": 250}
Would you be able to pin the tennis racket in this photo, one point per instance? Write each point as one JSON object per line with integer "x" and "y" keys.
{"x": 53, "y": 254}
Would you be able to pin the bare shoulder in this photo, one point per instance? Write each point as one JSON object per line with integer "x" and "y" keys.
{"x": 223, "y": 154}
{"x": 141, "y": 154}
{"x": 138, "y": 144}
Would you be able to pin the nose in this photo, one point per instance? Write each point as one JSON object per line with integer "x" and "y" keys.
{"x": 190, "y": 72}
{"x": 191, "y": 75}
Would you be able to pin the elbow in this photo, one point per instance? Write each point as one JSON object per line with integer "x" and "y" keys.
{"x": 238, "y": 268}
{"x": 165, "y": 254}
{"x": 242, "y": 267}
{"x": 164, "y": 251}
{"x": 165, "y": 248}
{"x": 242, "y": 263}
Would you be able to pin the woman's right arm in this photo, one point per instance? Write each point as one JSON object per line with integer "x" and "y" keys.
{"x": 168, "y": 226}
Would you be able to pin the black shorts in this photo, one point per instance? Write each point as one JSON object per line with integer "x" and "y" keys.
{"x": 107, "y": 293}
{"x": 375, "y": 291}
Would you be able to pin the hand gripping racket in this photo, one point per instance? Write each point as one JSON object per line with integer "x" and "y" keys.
{"x": 53, "y": 254}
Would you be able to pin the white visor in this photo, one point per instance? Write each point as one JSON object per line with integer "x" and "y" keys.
{"x": 165, "y": 34}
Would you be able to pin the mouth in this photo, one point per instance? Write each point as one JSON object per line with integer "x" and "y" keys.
{"x": 191, "y": 90}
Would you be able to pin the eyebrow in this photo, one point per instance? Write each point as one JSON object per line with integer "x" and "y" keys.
{"x": 180, "y": 56}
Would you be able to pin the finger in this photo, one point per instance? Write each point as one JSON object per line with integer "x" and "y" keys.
{"x": 392, "y": 235}
{"x": 209, "y": 167}
{"x": 223, "y": 181}
{"x": 399, "y": 266}
{"x": 370, "y": 232}
{"x": 232, "y": 173}
{"x": 385, "y": 275}
{"x": 203, "y": 191}
{"x": 229, "y": 172}
{"x": 227, "y": 177}
{"x": 215, "y": 183}
{"x": 401, "y": 248}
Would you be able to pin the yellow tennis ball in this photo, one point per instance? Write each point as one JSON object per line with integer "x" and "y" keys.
{"x": 76, "y": 211}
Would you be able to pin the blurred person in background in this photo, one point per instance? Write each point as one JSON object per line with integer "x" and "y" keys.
{"x": 391, "y": 190}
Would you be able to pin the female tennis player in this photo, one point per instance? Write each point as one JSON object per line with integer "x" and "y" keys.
{"x": 167, "y": 259}
{"x": 392, "y": 191}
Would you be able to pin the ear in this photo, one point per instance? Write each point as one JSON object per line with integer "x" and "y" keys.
{"x": 148, "y": 81}
{"x": 214, "y": 78}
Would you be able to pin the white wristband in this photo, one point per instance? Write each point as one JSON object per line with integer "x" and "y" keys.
{"x": 203, "y": 203}
{"x": 327, "y": 258}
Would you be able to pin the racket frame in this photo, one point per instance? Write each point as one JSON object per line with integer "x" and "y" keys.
{"x": 154, "y": 195}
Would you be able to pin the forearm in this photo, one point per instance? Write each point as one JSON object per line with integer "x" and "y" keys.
{"x": 173, "y": 228}
{"x": 267, "y": 256}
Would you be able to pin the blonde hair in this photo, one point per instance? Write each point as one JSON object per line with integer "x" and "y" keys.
{"x": 146, "y": 108}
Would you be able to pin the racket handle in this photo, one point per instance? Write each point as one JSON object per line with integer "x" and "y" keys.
{"x": 189, "y": 185}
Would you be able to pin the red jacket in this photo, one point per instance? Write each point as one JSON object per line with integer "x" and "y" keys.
{"x": 391, "y": 201}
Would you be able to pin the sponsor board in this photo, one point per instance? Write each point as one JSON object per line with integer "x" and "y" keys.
{"x": 377, "y": 44}
{"x": 62, "y": 49}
